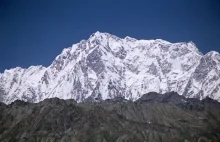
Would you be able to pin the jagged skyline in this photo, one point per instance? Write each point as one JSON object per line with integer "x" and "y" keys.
{"x": 106, "y": 66}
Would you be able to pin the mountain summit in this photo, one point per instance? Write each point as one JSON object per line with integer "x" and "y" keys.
{"x": 106, "y": 66}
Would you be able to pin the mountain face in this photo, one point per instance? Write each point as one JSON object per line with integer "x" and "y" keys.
{"x": 152, "y": 118}
{"x": 106, "y": 66}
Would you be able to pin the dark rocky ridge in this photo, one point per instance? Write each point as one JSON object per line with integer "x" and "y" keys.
{"x": 154, "y": 117}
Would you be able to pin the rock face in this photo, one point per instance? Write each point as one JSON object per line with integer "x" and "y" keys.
{"x": 106, "y": 66}
{"x": 167, "y": 118}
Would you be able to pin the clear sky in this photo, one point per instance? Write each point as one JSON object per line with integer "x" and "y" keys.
{"x": 34, "y": 32}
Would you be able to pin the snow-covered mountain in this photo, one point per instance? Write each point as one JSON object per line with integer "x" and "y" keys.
{"x": 106, "y": 66}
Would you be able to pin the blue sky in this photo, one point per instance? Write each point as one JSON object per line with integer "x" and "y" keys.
{"x": 34, "y": 32}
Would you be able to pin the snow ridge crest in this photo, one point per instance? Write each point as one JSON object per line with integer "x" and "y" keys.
{"x": 106, "y": 66}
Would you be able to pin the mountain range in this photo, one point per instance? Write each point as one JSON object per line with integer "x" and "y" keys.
{"x": 106, "y": 66}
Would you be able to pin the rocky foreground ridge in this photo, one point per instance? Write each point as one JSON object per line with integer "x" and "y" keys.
{"x": 154, "y": 117}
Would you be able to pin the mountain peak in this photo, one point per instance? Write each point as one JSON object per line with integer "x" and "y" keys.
{"x": 127, "y": 38}
{"x": 106, "y": 66}
{"x": 99, "y": 34}
{"x": 212, "y": 53}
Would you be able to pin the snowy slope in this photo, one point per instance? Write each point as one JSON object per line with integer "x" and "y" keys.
{"x": 106, "y": 66}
